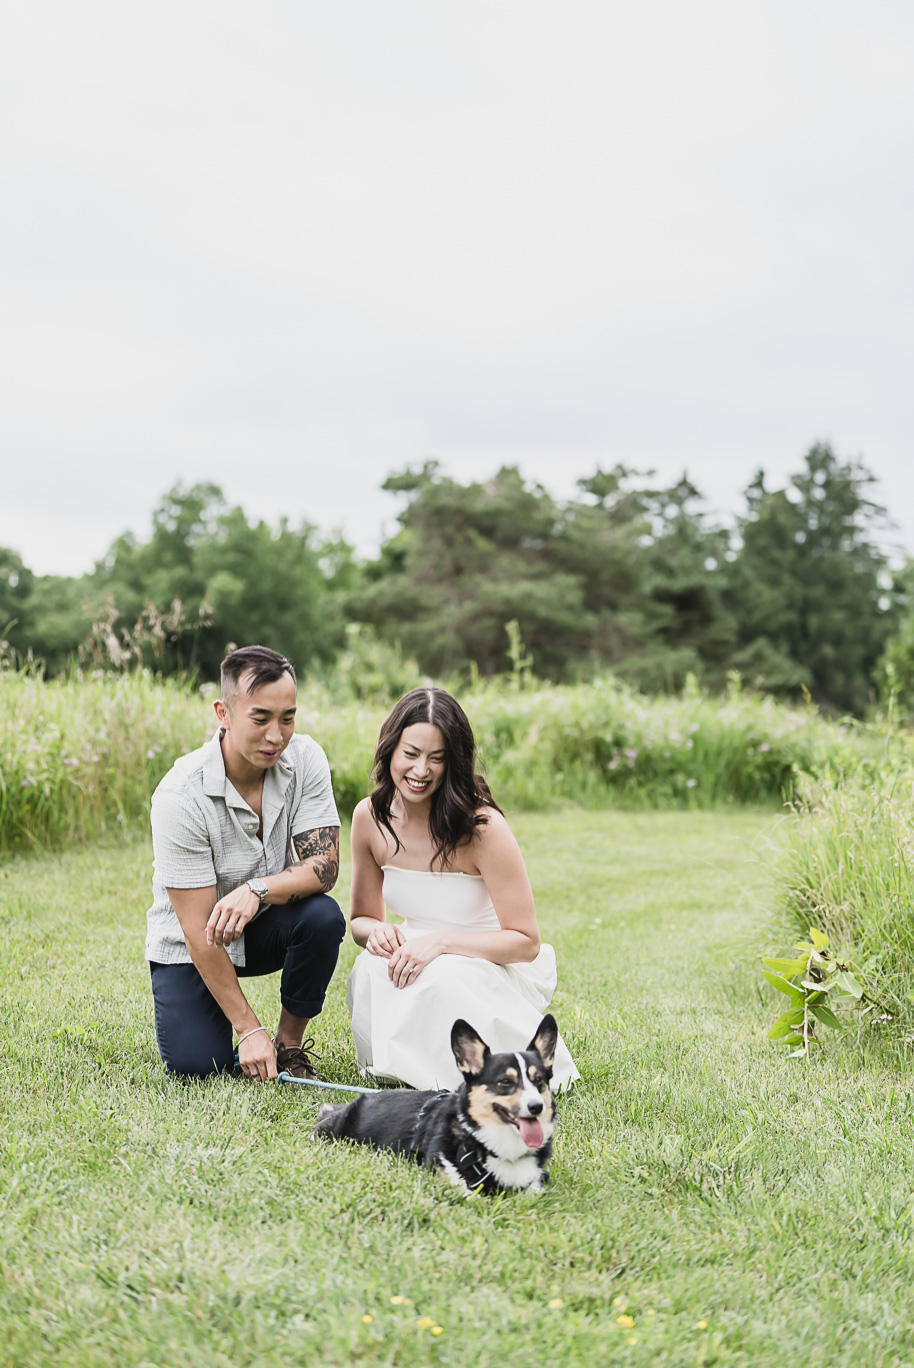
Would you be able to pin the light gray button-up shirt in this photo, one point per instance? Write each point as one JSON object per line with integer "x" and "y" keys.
{"x": 204, "y": 833}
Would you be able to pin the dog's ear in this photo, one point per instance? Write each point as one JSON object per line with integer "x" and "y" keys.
{"x": 545, "y": 1040}
{"x": 470, "y": 1050}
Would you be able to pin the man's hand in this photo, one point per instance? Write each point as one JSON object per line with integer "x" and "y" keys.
{"x": 257, "y": 1056}
{"x": 230, "y": 916}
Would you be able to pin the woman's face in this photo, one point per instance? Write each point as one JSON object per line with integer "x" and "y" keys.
{"x": 417, "y": 764}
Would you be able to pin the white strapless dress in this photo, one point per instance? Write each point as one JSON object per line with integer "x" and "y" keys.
{"x": 405, "y": 1033}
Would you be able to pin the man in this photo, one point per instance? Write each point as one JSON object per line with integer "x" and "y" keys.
{"x": 246, "y": 839}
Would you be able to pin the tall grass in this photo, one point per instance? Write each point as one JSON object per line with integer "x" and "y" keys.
{"x": 848, "y": 867}
{"x": 603, "y": 743}
{"x": 81, "y": 754}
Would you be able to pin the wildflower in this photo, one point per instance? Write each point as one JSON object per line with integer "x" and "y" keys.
{"x": 627, "y": 1321}
{"x": 437, "y": 1329}
{"x": 691, "y": 783}
{"x": 631, "y": 1339}
{"x": 617, "y": 1301}
{"x": 651, "y": 1311}
{"x": 397, "y": 1301}
{"x": 555, "y": 1303}
{"x": 764, "y": 747}
{"x": 425, "y": 1322}
{"x": 366, "y": 1320}
{"x": 630, "y": 754}
{"x": 150, "y": 755}
{"x": 701, "y": 1325}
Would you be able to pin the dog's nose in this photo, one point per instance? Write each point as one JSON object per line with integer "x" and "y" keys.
{"x": 535, "y": 1108}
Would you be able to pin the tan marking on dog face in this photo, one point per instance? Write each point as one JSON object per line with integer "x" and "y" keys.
{"x": 481, "y": 1105}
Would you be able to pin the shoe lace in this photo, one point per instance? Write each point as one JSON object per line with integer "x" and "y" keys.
{"x": 304, "y": 1054}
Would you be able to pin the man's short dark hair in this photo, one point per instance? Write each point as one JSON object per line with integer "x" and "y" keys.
{"x": 263, "y": 665}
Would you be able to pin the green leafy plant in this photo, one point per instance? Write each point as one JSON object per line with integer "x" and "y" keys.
{"x": 816, "y": 980}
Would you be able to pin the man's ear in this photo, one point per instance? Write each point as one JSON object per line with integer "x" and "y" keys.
{"x": 545, "y": 1041}
{"x": 221, "y": 711}
{"x": 470, "y": 1050}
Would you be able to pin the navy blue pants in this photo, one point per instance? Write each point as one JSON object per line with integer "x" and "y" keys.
{"x": 302, "y": 939}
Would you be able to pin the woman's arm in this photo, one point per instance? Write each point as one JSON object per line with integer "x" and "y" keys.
{"x": 366, "y": 909}
{"x": 501, "y": 865}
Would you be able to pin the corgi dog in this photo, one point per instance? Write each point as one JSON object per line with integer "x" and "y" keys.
{"x": 495, "y": 1132}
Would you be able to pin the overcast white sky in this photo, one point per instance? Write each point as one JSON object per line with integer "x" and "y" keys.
{"x": 290, "y": 247}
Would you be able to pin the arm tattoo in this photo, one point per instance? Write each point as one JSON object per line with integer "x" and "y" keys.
{"x": 321, "y": 849}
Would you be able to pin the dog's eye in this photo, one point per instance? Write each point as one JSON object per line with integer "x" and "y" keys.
{"x": 506, "y": 1085}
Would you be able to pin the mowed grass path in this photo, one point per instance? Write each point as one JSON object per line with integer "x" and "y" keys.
{"x": 731, "y": 1206}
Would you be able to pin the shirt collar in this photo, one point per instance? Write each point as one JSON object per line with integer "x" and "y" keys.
{"x": 216, "y": 783}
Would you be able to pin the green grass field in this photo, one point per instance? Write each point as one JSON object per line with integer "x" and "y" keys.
{"x": 711, "y": 1203}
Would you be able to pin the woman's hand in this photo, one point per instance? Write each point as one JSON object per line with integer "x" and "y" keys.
{"x": 231, "y": 915}
{"x": 384, "y": 939}
{"x": 410, "y": 958}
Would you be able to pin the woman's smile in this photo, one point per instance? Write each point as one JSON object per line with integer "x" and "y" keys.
{"x": 417, "y": 764}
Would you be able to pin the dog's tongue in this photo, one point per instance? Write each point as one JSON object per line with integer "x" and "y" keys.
{"x": 531, "y": 1132}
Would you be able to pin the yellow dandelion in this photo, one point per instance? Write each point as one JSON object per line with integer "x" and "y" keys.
{"x": 366, "y": 1320}
{"x": 702, "y": 1325}
{"x": 425, "y": 1322}
{"x": 407, "y": 1301}
{"x": 627, "y": 1321}
{"x": 651, "y": 1311}
{"x": 631, "y": 1339}
{"x": 555, "y": 1303}
{"x": 437, "y": 1329}
{"x": 617, "y": 1301}
{"x": 397, "y": 1301}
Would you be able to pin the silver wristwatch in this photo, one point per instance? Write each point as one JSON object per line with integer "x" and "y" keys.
{"x": 259, "y": 887}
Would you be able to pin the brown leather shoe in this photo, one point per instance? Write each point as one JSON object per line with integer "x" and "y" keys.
{"x": 295, "y": 1060}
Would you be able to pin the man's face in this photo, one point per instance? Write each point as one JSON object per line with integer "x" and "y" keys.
{"x": 259, "y": 725}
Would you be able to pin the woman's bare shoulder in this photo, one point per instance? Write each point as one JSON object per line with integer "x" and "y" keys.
{"x": 367, "y": 835}
{"x": 494, "y": 829}
{"x": 364, "y": 826}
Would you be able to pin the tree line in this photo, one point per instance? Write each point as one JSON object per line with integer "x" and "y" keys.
{"x": 630, "y": 576}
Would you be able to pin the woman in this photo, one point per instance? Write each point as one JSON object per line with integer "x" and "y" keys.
{"x": 432, "y": 843}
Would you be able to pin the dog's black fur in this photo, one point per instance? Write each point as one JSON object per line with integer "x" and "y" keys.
{"x": 494, "y": 1132}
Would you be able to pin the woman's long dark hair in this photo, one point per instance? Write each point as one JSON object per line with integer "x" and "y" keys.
{"x": 453, "y": 816}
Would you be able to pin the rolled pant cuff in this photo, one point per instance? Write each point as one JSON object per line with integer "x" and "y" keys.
{"x": 303, "y": 1009}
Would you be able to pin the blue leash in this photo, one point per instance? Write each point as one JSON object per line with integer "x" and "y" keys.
{"x": 315, "y": 1083}
{"x": 331, "y": 1087}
